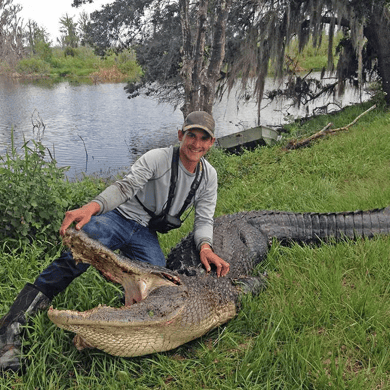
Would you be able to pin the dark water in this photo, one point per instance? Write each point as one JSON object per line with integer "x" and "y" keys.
{"x": 92, "y": 128}
{"x": 96, "y": 129}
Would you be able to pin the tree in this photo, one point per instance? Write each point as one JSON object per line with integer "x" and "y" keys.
{"x": 83, "y": 28}
{"x": 183, "y": 46}
{"x": 268, "y": 27}
{"x": 68, "y": 30}
{"x": 203, "y": 52}
{"x": 188, "y": 39}
{"x": 38, "y": 40}
{"x": 11, "y": 32}
{"x": 180, "y": 45}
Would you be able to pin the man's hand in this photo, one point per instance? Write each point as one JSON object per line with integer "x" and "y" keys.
{"x": 207, "y": 257}
{"x": 82, "y": 216}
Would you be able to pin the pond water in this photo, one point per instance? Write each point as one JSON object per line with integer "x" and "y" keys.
{"x": 96, "y": 129}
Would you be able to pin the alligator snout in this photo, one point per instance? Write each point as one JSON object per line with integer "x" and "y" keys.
{"x": 153, "y": 296}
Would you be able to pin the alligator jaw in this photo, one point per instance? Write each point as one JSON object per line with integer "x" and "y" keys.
{"x": 138, "y": 279}
{"x": 158, "y": 293}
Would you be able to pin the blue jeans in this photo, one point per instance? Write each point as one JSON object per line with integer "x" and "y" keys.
{"x": 115, "y": 232}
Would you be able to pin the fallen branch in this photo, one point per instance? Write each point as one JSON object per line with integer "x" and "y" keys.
{"x": 294, "y": 144}
{"x": 37, "y": 123}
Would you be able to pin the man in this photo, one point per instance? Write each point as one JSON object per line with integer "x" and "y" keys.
{"x": 120, "y": 218}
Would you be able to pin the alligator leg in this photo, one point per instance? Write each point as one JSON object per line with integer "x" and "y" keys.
{"x": 240, "y": 244}
{"x": 251, "y": 284}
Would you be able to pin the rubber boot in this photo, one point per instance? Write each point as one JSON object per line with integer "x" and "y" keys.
{"x": 29, "y": 301}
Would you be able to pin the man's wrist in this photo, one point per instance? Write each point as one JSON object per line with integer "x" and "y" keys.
{"x": 205, "y": 247}
{"x": 93, "y": 207}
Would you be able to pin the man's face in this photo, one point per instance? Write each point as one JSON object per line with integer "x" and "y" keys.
{"x": 195, "y": 143}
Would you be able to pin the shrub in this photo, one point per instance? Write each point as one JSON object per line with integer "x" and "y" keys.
{"x": 32, "y": 194}
{"x": 69, "y": 51}
{"x": 43, "y": 51}
{"x": 125, "y": 61}
{"x": 4, "y": 67}
{"x": 33, "y": 65}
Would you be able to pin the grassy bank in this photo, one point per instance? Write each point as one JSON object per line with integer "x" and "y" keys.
{"x": 79, "y": 63}
{"x": 323, "y": 322}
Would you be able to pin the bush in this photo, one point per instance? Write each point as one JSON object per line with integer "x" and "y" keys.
{"x": 32, "y": 194}
{"x": 33, "y": 65}
{"x": 4, "y": 67}
{"x": 43, "y": 51}
{"x": 125, "y": 61}
{"x": 69, "y": 52}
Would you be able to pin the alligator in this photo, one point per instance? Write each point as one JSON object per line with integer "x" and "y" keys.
{"x": 167, "y": 307}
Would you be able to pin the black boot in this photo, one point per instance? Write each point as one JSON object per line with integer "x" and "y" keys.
{"x": 28, "y": 302}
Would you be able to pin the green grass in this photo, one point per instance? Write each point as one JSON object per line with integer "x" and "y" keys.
{"x": 80, "y": 63}
{"x": 312, "y": 57}
{"x": 323, "y": 322}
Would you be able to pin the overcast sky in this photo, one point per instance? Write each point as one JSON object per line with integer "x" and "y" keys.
{"x": 47, "y": 13}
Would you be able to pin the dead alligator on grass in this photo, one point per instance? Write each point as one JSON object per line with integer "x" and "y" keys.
{"x": 167, "y": 307}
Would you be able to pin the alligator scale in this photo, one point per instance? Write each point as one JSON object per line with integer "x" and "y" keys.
{"x": 167, "y": 307}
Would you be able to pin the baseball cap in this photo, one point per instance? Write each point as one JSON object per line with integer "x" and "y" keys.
{"x": 199, "y": 120}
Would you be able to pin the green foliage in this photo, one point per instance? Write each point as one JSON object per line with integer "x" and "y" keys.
{"x": 76, "y": 62}
{"x": 81, "y": 191}
{"x": 81, "y": 60}
{"x": 33, "y": 65}
{"x": 124, "y": 61}
{"x": 4, "y": 67}
{"x": 313, "y": 57}
{"x": 68, "y": 29}
{"x": 127, "y": 62}
{"x": 69, "y": 51}
{"x": 43, "y": 51}
{"x": 34, "y": 194}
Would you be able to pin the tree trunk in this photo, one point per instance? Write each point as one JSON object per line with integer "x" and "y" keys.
{"x": 217, "y": 56}
{"x": 199, "y": 75}
{"x": 377, "y": 33}
{"x": 188, "y": 63}
{"x": 199, "y": 60}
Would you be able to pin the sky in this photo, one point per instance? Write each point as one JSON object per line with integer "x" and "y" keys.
{"x": 47, "y": 13}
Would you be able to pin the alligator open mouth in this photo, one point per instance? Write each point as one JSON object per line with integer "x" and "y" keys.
{"x": 154, "y": 298}
{"x": 137, "y": 278}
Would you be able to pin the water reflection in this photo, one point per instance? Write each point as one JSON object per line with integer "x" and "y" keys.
{"x": 96, "y": 129}
{"x": 98, "y": 119}
{"x": 233, "y": 116}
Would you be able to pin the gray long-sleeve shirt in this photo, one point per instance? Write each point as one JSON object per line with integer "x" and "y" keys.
{"x": 149, "y": 179}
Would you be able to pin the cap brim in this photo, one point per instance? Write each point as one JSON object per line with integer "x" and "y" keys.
{"x": 208, "y": 131}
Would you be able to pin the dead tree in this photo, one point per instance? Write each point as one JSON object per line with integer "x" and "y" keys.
{"x": 11, "y": 33}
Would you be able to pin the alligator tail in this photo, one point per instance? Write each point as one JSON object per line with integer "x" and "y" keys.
{"x": 315, "y": 227}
